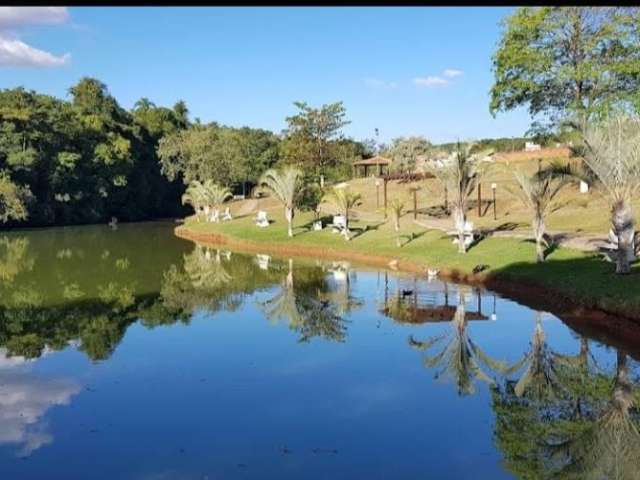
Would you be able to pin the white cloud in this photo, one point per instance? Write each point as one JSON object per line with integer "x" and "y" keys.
{"x": 16, "y": 53}
{"x": 19, "y": 16}
{"x": 430, "y": 81}
{"x": 381, "y": 84}
{"x": 452, "y": 72}
{"x": 24, "y": 401}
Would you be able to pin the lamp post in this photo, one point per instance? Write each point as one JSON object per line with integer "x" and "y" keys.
{"x": 377, "y": 193}
{"x": 493, "y": 189}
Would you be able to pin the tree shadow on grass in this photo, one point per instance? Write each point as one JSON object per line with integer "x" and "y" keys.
{"x": 569, "y": 286}
{"x": 359, "y": 231}
{"x": 411, "y": 237}
{"x": 308, "y": 227}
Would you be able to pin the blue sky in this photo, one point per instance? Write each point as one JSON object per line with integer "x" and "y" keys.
{"x": 406, "y": 71}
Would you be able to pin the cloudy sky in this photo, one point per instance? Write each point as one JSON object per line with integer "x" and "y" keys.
{"x": 24, "y": 400}
{"x": 405, "y": 71}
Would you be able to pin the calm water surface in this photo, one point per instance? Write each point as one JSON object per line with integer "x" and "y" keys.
{"x": 131, "y": 354}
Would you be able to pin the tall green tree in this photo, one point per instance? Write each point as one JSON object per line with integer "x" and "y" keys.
{"x": 311, "y": 134}
{"x": 567, "y": 61}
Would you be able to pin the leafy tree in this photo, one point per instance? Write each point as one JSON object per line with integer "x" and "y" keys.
{"x": 404, "y": 152}
{"x": 310, "y": 134}
{"x": 12, "y": 200}
{"x": 563, "y": 61}
{"x": 259, "y": 151}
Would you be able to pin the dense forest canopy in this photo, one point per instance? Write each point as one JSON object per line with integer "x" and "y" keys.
{"x": 86, "y": 159}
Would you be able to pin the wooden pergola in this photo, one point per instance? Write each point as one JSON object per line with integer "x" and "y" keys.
{"x": 380, "y": 164}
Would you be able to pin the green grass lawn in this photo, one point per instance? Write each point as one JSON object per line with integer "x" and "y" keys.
{"x": 582, "y": 276}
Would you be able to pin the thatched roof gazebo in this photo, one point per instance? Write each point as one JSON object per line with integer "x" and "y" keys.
{"x": 377, "y": 162}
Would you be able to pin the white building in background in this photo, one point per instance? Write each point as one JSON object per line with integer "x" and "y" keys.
{"x": 531, "y": 147}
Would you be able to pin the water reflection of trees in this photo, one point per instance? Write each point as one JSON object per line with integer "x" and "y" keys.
{"x": 14, "y": 257}
{"x": 72, "y": 303}
{"x": 454, "y": 355}
{"x": 565, "y": 417}
{"x": 306, "y": 305}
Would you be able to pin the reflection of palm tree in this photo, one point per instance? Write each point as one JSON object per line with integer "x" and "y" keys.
{"x": 575, "y": 372}
{"x": 460, "y": 359}
{"x": 539, "y": 380}
{"x": 586, "y": 430}
{"x": 203, "y": 270}
{"x": 283, "y": 305}
{"x": 341, "y": 296}
{"x": 300, "y": 306}
{"x": 610, "y": 446}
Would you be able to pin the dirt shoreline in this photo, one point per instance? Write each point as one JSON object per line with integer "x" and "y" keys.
{"x": 620, "y": 325}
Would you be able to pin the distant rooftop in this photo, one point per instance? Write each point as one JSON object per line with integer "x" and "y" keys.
{"x": 377, "y": 160}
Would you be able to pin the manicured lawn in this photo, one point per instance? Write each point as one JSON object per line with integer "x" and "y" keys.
{"x": 582, "y": 276}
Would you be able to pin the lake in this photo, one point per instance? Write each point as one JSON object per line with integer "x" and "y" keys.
{"x": 132, "y": 354}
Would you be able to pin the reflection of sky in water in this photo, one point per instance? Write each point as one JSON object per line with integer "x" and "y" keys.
{"x": 24, "y": 400}
{"x": 232, "y": 395}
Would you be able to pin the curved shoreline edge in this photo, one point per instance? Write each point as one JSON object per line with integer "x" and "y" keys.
{"x": 537, "y": 296}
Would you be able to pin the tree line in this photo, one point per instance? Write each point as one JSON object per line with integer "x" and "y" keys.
{"x": 87, "y": 159}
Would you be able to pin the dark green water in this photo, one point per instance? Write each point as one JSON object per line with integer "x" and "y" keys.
{"x": 131, "y": 354}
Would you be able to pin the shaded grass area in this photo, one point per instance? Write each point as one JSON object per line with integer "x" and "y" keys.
{"x": 579, "y": 276}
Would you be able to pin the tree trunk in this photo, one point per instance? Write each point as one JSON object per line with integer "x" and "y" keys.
{"x": 538, "y": 233}
{"x": 622, "y": 391}
{"x": 459, "y": 221}
{"x": 623, "y": 227}
{"x": 288, "y": 213}
{"x": 289, "y": 280}
{"x": 346, "y": 225}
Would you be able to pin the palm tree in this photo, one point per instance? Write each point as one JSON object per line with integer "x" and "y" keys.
{"x": 216, "y": 195}
{"x": 537, "y": 193}
{"x": 286, "y": 186}
{"x": 344, "y": 200}
{"x": 397, "y": 207}
{"x": 459, "y": 175}
{"x": 612, "y": 152}
{"x": 195, "y": 195}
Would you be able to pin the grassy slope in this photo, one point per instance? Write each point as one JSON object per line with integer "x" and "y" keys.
{"x": 582, "y": 276}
